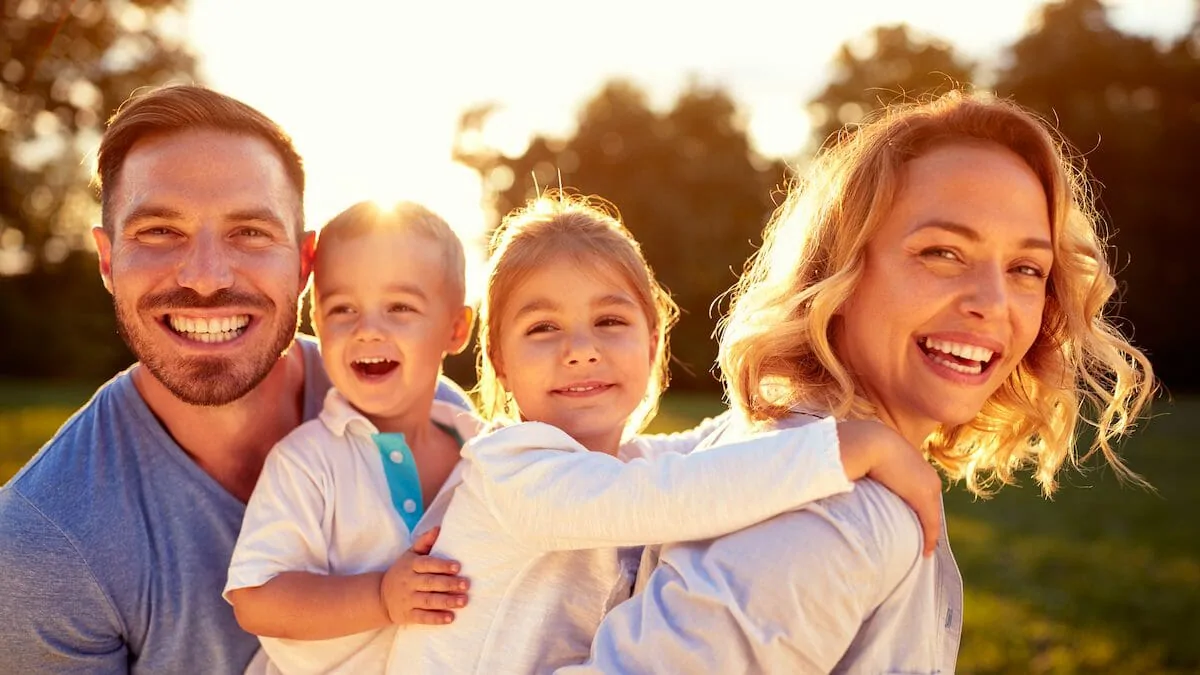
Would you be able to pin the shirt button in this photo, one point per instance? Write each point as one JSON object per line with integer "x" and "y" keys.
{"x": 397, "y": 457}
{"x": 409, "y": 506}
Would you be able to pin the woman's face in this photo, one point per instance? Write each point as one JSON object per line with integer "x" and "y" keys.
{"x": 953, "y": 289}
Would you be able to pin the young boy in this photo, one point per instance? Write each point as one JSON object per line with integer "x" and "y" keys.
{"x": 332, "y": 555}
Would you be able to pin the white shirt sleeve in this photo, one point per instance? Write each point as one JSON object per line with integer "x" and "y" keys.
{"x": 651, "y": 446}
{"x": 786, "y": 596}
{"x": 282, "y": 529}
{"x": 552, "y": 494}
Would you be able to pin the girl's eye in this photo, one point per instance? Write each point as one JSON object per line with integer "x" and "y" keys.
{"x": 540, "y": 328}
{"x": 612, "y": 321}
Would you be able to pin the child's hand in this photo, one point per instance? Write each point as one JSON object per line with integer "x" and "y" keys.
{"x": 873, "y": 449}
{"x": 419, "y": 588}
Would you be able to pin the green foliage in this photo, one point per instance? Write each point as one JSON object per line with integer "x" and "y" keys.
{"x": 686, "y": 182}
{"x": 891, "y": 64}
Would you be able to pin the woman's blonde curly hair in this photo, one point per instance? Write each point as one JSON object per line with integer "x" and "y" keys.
{"x": 775, "y": 343}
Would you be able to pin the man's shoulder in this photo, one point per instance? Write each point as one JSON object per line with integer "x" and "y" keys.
{"x": 59, "y": 464}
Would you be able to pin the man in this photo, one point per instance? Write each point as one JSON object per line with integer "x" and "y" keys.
{"x": 116, "y": 537}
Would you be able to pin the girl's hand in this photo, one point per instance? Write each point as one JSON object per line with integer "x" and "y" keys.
{"x": 419, "y": 588}
{"x": 872, "y": 449}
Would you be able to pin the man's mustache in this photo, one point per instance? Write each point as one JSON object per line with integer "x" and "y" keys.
{"x": 186, "y": 298}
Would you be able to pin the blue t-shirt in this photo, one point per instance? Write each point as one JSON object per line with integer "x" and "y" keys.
{"x": 114, "y": 546}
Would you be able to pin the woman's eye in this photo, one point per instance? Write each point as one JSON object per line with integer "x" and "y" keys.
{"x": 1030, "y": 271}
{"x": 940, "y": 252}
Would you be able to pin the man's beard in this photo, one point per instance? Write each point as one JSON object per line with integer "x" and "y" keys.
{"x": 207, "y": 380}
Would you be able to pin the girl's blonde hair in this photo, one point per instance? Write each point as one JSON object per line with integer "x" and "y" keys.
{"x": 587, "y": 231}
{"x": 775, "y": 344}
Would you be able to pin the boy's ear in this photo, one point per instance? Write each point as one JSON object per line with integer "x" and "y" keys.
{"x": 104, "y": 250}
{"x": 460, "y": 335}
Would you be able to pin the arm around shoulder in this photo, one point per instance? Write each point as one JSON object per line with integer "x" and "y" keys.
{"x": 787, "y": 595}
{"x": 57, "y": 619}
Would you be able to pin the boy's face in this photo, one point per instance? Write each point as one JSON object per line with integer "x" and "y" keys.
{"x": 386, "y": 319}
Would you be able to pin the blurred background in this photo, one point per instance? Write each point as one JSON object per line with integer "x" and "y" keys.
{"x": 688, "y": 120}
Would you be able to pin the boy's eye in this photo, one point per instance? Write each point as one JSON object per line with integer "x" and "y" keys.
{"x": 339, "y": 309}
{"x": 401, "y": 307}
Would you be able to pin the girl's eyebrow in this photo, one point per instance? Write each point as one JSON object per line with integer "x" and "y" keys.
{"x": 546, "y": 304}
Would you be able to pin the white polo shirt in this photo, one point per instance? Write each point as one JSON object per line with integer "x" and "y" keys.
{"x": 322, "y": 505}
{"x": 538, "y": 523}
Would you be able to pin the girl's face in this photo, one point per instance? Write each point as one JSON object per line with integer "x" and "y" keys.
{"x": 953, "y": 289}
{"x": 575, "y": 350}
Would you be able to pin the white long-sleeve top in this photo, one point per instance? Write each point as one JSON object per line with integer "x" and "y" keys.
{"x": 838, "y": 586}
{"x": 539, "y": 521}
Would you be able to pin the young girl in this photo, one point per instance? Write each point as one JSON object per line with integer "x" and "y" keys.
{"x": 574, "y": 344}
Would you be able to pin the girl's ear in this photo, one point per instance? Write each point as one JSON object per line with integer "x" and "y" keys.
{"x": 654, "y": 338}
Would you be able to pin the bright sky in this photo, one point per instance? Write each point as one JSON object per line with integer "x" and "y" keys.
{"x": 371, "y": 91}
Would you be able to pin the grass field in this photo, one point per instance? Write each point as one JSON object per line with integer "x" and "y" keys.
{"x": 1103, "y": 579}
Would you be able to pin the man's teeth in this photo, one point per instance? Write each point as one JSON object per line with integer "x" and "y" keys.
{"x": 969, "y": 352}
{"x": 217, "y": 329}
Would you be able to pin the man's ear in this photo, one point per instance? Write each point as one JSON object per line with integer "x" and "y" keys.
{"x": 460, "y": 335}
{"x": 104, "y": 251}
{"x": 308, "y": 256}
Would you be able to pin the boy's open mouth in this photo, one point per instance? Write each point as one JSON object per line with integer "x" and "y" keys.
{"x": 957, "y": 356}
{"x": 374, "y": 366}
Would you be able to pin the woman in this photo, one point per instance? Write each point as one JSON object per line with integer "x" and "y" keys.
{"x": 939, "y": 270}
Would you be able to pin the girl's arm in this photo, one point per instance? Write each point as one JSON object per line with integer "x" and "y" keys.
{"x": 569, "y": 498}
{"x": 651, "y": 446}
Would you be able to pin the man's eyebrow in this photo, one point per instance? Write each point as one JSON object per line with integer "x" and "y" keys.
{"x": 256, "y": 215}
{"x": 151, "y": 212}
{"x": 972, "y": 234}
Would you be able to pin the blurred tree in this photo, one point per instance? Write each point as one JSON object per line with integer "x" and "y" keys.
{"x": 64, "y": 69}
{"x": 891, "y": 63}
{"x": 686, "y": 181}
{"x": 1130, "y": 108}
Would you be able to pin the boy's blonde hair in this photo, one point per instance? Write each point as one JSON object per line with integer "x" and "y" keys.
{"x": 587, "y": 231}
{"x": 775, "y": 344}
{"x": 367, "y": 216}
